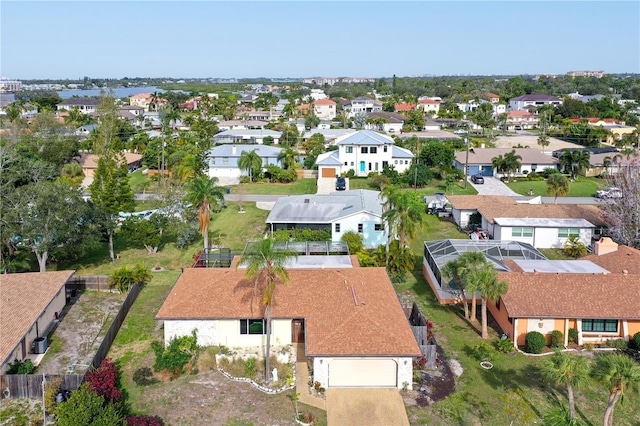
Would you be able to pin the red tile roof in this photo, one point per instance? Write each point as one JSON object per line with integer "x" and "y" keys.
{"x": 548, "y": 295}
{"x": 23, "y": 298}
{"x": 335, "y": 323}
{"x": 324, "y": 102}
{"x": 405, "y": 107}
{"x": 428, "y": 102}
{"x": 519, "y": 113}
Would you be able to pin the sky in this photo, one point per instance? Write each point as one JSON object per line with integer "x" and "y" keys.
{"x": 242, "y": 39}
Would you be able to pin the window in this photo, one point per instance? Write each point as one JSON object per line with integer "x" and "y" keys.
{"x": 348, "y": 149}
{"x": 384, "y": 148}
{"x": 337, "y": 227}
{"x": 252, "y": 326}
{"x": 521, "y": 232}
{"x": 568, "y": 232}
{"x": 345, "y": 163}
{"x": 360, "y": 228}
{"x": 213, "y": 161}
{"x": 373, "y": 150}
{"x": 352, "y": 163}
{"x": 364, "y": 150}
{"x": 395, "y": 161}
{"x": 378, "y": 227}
{"x": 225, "y": 160}
{"x": 604, "y": 325}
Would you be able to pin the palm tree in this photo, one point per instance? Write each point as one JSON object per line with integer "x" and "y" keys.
{"x": 570, "y": 371}
{"x": 579, "y": 161}
{"x": 250, "y": 162}
{"x": 173, "y": 115}
{"x": 389, "y": 196}
{"x": 266, "y": 265}
{"x": 512, "y": 162}
{"x": 557, "y": 185}
{"x": 202, "y": 193}
{"x": 618, "y": 372}
{"x": 498, "y": 163}
{"x": 490, "y": 289}
{"x": 463, "y": 271}
{"x": 403, "y": 217}
{"x": 287, "y": 158}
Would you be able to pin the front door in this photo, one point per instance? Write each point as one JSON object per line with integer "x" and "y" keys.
{"x": 362, "y": 166}
{"x": 297, "y": 331}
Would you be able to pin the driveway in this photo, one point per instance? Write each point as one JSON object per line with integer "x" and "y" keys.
{"x": 355, "y": 406}
{"x": 493, "y": 186}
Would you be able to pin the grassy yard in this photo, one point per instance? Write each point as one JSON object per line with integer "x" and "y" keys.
{"x": 583, "y": 187}
{"x": 433, "y": 187}
{"x": 301, "y": 186}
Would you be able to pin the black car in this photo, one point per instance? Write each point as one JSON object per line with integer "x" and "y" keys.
{"x": 341, "y": 183}
{"x": 477, "y": 179}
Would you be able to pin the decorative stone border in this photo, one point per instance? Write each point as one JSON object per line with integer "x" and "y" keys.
{"x": 259, "y": 386}
{"x": 568, "y": 350}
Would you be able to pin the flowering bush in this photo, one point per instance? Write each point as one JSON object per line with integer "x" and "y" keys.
{"x": 144, "y": 421}
{"x": 104, "y": 381}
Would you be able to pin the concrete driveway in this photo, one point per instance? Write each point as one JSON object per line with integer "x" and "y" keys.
{"x": 355, "y": 406}
{"x": 493, "y": 186}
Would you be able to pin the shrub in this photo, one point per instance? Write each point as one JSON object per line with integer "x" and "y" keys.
{"x": 420, "y": 362}
{"x": 482, "y": 351}
{"x": 534, "y": 342}
{"x": 176, "y": 355}
{"x": 52, "y": 387}
{"x": 104, "y": 381}
{"x": 187, "y": 235}
{"x": 635, "y": 341}
{"x": 21, "y": 367}
{"x": 84, "y": 407}
{"x": 504, "y": 345}
{"x": 353, "y": 240}
{"x": 617, "y": 343}
{"x": 144, "y": 377}
{"x": 351, "y": 173}
{"x": 144, "y": 421}
{"x": 250, "y": 368}
{"x": 557, "y": 339}
{"x": 573, "y": 335}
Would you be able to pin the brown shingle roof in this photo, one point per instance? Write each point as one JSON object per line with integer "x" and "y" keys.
{"x": 335, "y": 325}
{"x": 90, "y": 161}
{"x": 625, "y": 258}
{"x": 613, "y": 296}
{"x": 23, "y": 297}
{"x": 470, "y": 202}
{"x": 490, "y": 211}
{"x": 484, "y": 156}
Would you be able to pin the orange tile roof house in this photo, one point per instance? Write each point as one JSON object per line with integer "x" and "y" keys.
{"x": 349, "y": 319}
{"x": 597, "y": 295}
{"x": 325, "y": 109}
{"x": 29, "y": 305}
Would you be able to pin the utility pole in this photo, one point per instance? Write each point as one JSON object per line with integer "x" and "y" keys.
{"x": 466, "y": 160}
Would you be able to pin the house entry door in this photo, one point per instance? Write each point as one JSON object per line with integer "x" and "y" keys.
{"x": 362, "y": 166}
{"x": 297, "y": 331}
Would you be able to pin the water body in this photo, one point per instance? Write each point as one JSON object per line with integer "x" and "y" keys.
{"x": 123, "y": 92}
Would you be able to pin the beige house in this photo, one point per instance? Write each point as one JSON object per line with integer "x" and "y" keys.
{"x": 348, "y": 319}
{"x": 89, "y": 162}
{"x": 429, "y": 106}
{"x": 325, "y": 109}
{"x": 30, "y": 304}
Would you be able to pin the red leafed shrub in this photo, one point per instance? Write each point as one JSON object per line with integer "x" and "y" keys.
{"x": 420, "y": 363}
{"x": 104, "y": 381}
{"x": 144, "y": 421}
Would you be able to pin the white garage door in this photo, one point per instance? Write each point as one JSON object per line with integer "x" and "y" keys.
{"x": 363, "y": 373}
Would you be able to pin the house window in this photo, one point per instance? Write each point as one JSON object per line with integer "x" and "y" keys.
{"x": 522, "y": 232}
{"x": 213, "y": 160}
{"x": 364, "y": 150}
{"x": 348, "y": 149}
{"x": 225, "y": 160}
{"x": 337, "y": 227}
{"x": 600, "y": 325}
{"x": 360, "y": 228}
{"x": 384, "y": 148}
{"x": 378, "y": 227}
{"x": 373, "y": 150}
{"x": 395, "y": 161}
{"x": 345, "y": 163}
{"x": 352, "y": 164}
{"x": 568, "y": 232}
{"x": 252, "y": 326}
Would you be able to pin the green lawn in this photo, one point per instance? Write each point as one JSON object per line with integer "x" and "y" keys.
{"x": 434, "y": 186}
{"x": 583, "y": 187}
{"x": 301, "y": 186}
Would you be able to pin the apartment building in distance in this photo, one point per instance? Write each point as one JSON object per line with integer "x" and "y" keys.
{"x": 596, "y": 74}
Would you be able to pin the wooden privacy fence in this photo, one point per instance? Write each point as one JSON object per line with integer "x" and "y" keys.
{"x": 16, "y": 386}
{"x": 30, "y": 385}
{"x": 108, "y": 339}
{"x": 426, "y": 341}
{"x": 88, "y": 282}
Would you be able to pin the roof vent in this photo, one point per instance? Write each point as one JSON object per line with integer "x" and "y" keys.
{"x": 625, "y": 272}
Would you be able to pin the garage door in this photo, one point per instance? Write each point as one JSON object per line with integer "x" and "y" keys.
{"x": 363, "y": 373}
{"x": 328, "y": 172}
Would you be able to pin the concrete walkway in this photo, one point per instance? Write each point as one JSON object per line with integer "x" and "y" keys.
{"x": 357, "y": 407}
{"x": 493, "y": 186}
{"x": 302, "y": 381}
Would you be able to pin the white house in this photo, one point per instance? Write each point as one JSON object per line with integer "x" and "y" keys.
{"x": 346, "y": 319}
{"x": 393, "y": 122}
{"x": 480, "y": 160}
{"x": 360, "y": 105}
{"x": 525, "y": 102}
{"x": 84, "y": 105}
{"x": 249, "y": 136}
{"x": 341, "y": 211}
{"x": 223, "y": 161}
{"x": 363, "y": 152}
{"x": 429, "y": 106}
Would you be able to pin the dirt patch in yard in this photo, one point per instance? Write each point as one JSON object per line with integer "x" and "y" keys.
{"x": 209, "y": 398}
{"x": 531, "y": 141}
{"x": 433, "y": 386}
{"x": 83, "y": 324}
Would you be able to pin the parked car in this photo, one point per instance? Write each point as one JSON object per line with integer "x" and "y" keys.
{"x": 478, "y": 179}
{"x": 341, "y": 183}
{"x": 609, "y": 193}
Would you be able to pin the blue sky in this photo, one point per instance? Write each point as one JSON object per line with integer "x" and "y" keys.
{"x": 305, "y": 39}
